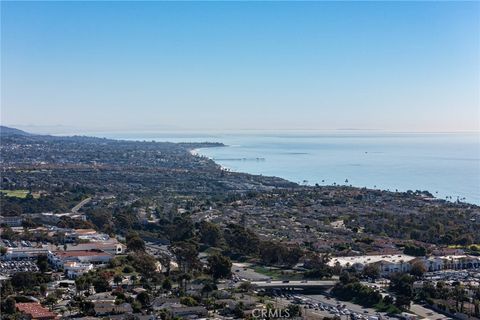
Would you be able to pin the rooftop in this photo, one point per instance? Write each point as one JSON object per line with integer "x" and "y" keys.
{"x": 81, "y": 253}
{"x": 35, "y": 310}
{"x": 393, "y": 258}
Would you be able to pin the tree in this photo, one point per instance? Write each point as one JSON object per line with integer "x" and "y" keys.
{"x": 188, "y": 301}
{"x": 167, "y": 284}
{"x": 245, "y": 286}
{"x": 210, "y": 234}
{"x": 460, "y": 296}
{"x": 402, "y": 285}
{"x": 28, "y": 280}
{"x": 101, "y": 284}
{"x": 294, "y": 310}
{"x": 135, "y": 243}
{"x": 43, "y": 289}
{"x": 240, "y": 240}
{"x": 82, "y": 283}
{"x": 42, "y": 263}
{"x": 387, "y": 300}
{"x": 8, "y": 306}
{"x": 403, "y": 301}
{"x": 7, "y": 233}
{"x": 418, "y": 269}
{"x": 51, "y": 300}
{"x": 371, "y": 271}
{"x": 413, "y": 250}
{"x": 279, "y": 254}
{"x": 187, "y": 255}
{"x": 144, "y": 299}
{"x": 117, "y": 279}
{"x": 208, "y": 287}
{"x": 145, "y": 264}
{"x": 219, "y": 266}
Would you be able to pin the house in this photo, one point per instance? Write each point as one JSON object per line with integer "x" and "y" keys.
{"x": 85, "y": 234}
{"x": 35, "y": 311}
{"x": 74, "y": 269}
{"x": 160, "y": 303}
{"x": 94, "y": 257}
{"x": 11, "y": 221}
{"x": 101, "y": 296}
{"x": 387, "y": 264}
{"x": 22, "y": 253}
{"x": 455, "y": 262}
{"x": 107, "y": 307}
{"x": 182, "y": 311}
{"x": 111, "y": 246}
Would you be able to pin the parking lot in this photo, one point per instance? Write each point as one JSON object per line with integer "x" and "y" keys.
{"x": 323, "y": 306}
{"x": 10, "y": 267}
{"x": 16, "y": 244}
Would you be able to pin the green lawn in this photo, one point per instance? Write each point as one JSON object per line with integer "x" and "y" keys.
{"x": 390, "y": 308}
{"x": 15, "y": 193}
{"x": 277, "y": 274}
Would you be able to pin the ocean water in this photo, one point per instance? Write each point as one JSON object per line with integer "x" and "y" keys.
{"x": 445, "y": 164}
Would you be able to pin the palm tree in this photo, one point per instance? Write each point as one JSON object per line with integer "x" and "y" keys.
{"x": 459, "y": 296}
{"x": 133, "y": 278}
{"x": 117, "y": 279}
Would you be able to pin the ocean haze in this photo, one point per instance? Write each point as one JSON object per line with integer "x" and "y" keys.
{"x": 445, "y": 164}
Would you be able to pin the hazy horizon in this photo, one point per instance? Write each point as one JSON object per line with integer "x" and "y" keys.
{"x": 80, "y": 67}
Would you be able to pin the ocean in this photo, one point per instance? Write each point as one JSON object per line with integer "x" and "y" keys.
{"x": 445, "y": 164}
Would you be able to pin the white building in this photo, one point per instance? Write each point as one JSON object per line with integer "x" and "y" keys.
{"x": 74, "y": 269}
{"x": 111, "y": 246}
{"x": 94, "y": 257}
{"x": 22, "y": 253}
{"x": 452, "y": 262}
{"x": 85, "y": 234}
{"x": 387, "y": 263}
{"x": 11, "y": 221}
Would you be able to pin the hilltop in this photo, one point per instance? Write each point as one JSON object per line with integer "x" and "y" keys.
{"x": 8, "y": 131}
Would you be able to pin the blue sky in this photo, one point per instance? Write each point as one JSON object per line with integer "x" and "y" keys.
{"x": 397, "y": 66}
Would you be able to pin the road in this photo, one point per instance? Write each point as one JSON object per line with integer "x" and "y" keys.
{"x": 311, "y": 313}
{"x": 426, "y": 313}
{"x": 350, "y": 306}
{"x": 243, "y": 272}
{"x": 80, "y": 205}
{"x": 295, "y": 284}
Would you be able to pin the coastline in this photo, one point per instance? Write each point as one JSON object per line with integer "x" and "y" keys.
{"x": 196, "y": 153}
{"x": 426, "y": 194}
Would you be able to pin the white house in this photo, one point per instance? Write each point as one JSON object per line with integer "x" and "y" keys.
{"x": 387, "y": 263}
{"x": 75, "y": 269}
{"x": 94, "y": 257}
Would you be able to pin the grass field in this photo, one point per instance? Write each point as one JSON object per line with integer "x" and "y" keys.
{"x": 277, "y": 274}
{"x": 15, "y": 193}
{"x": 474, "y": 246}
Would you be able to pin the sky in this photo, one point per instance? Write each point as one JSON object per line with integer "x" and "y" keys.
{"x": 120, "y": 66}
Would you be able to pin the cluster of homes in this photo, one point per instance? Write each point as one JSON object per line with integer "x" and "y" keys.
{"x": 388, "y": 264}
{"x": 46, "y": 217}
{"x": 85, "y": 249}
{"x": 35, "y": 311}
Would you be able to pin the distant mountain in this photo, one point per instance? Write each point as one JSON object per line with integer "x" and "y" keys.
{"x": 7, "y": 131}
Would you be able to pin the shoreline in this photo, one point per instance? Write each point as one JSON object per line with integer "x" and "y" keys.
{"x": 427, "y": 197}
{"x": 196, "y": 153}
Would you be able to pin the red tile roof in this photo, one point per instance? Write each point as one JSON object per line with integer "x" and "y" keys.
{"x": 81, "y": 253}
{"x": 35, "y": 310}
